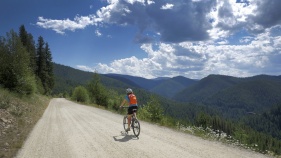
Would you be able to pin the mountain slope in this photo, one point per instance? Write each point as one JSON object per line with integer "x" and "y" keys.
{"x": 232, "y": 96}
{"x": 205, "y": 88}
{"x": 170, "y": 87}
{"x": 67, "y": 78}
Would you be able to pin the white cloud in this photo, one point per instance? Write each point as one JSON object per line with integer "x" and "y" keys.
{"x": 149, "y": 2}
{"x": 98, "y": 33}
{"x": 177, "y": 26}
{"x": 246, "y": 39}
{"x": 223, "y": 42}
{"x": 85, "y": 68}
{"x": 59, "y": 26}
{"x": 188, "y": 47}
{"x": 167, "y": 6}
{"x": 216, "y": 19}
{"x": 228, "y": 17}
{"x": 199, "y": 59}
{"x": 136, "y": 1}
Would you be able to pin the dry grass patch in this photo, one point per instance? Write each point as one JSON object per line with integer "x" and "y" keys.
{"x": 18, "y": 115}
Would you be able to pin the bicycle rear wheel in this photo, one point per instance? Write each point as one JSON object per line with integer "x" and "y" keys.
{"x": 125, "y": 122}
{"x": 136, "y": 127}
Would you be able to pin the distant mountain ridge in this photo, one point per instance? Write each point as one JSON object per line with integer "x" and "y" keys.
{"x": 141, "y": 82}
{"x": 163, "y": 86}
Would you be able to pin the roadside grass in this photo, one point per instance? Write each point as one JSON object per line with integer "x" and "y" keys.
{"x": 18, "y": 115}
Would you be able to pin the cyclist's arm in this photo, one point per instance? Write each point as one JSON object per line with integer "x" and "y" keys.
{"x": 124, "y": 101}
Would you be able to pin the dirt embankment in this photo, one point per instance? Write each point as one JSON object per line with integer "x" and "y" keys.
{"x": 70, "y": 130}
{"x": 17, "y": 118}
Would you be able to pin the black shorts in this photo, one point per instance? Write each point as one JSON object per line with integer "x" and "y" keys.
{"x": 131, "y": 108}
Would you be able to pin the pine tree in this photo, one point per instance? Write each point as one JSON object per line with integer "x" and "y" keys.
{"x": 49, "y": 70}
{"x": 41, "y": 64}
{"x": 32, "y": 51}
{"x": 41, "y": 58}
{"x": 4, "y": 60}
{"x": 28, "y": 43}
{"x": 23, "y": 35}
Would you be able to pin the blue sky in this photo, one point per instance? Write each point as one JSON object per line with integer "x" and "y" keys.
{"x": 155, "y": 38}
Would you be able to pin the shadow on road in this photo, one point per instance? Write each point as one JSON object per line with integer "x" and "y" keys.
{"x": 124, "y": 137}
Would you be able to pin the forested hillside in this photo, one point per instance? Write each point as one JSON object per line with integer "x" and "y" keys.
{"x": 235, "y": 97}
{"x": 268, "y": 122}
{"x": 172, "y": 86}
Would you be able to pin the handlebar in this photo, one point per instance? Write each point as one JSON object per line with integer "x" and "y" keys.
{"x": 124, "y": 106}
{"x": 134, "y": 110}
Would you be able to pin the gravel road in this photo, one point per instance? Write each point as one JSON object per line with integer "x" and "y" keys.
{"x": 69, "y": 130}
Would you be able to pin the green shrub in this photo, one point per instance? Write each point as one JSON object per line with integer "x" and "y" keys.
{"x": 26, "y": 85}
{"x": 80, "y": 94}
{"x": 152, "y": 111}
{"x": 97, "y": 91}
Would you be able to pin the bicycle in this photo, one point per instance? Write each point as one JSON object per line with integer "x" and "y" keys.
{"x": 135, "y": 124}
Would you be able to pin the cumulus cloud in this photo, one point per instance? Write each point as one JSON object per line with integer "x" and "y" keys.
{"x": 255, "y": 16}
{"x": 167, "y": 6}
{"x": 196, "y": 20}
{"x": 267, "y": 13}
{"x": 187, "y": 21}
{"x": 85, "y": 68}
{"x": 59, "y": 26}
{"x": 194, "y": 36}
{"x": 261, "y": 54}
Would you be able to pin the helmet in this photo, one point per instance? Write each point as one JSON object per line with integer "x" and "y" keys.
{"x": 129, "y": 90}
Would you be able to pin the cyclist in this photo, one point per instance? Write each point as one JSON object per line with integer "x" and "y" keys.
{"x": 131, "y": 99}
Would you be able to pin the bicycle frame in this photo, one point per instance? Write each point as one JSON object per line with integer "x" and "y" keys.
{"x": 134, "y": 123}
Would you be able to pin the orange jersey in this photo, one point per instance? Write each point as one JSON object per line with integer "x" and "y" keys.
{"x": 132, "y": 99}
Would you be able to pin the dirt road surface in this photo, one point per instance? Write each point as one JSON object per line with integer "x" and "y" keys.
{"x": 70, "y": 130}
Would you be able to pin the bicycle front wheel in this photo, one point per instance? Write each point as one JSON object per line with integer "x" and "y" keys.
{"x": 125, "y": 122}
{"x": 136, "y": 127}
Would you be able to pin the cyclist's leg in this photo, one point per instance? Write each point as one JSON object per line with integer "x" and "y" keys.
{"x": 135, "y": 111}
{"x": 129, "y": 121}
{"x": 130, "y": 112}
